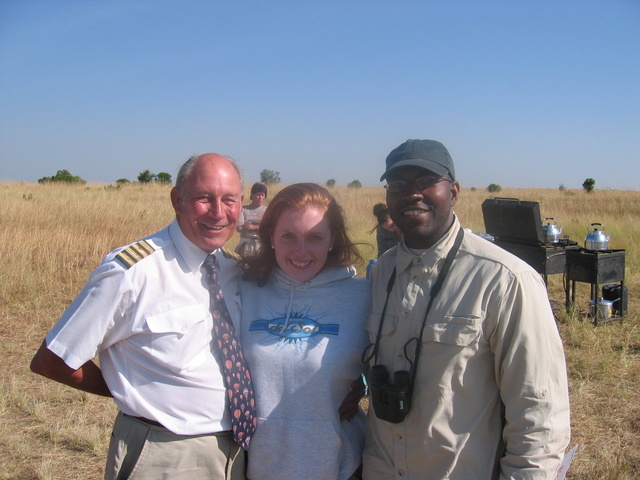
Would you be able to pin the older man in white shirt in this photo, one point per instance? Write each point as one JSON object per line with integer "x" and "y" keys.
{"x": 145, "y": 311}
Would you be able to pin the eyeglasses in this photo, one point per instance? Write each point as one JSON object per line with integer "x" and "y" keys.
{"x": 422, "y": 183}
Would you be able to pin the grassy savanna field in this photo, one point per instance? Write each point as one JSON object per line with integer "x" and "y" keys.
{"x": 51, "y": 237}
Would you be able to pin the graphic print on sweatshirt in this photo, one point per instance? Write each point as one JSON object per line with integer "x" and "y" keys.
{"x": 294, "y": 329}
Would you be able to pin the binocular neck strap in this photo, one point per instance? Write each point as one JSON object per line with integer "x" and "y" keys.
{"x": 437, "y": 286}
{"x": 435, "y": 290}
{"x": 390, "y": 283}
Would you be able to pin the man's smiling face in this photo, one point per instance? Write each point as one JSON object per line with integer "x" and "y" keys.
{"x": 423, "y": 216}
{"x": 208, "y": 204}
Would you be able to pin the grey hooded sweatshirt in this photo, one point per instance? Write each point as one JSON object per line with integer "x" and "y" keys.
{"x": 303, "y": 342}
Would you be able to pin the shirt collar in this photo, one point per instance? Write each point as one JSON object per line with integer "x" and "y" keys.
{"x": 193, "y": 256}
{"x": 430, "y": 257}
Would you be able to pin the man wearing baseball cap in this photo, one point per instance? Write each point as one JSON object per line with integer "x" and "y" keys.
{"x": 467, "y": 371}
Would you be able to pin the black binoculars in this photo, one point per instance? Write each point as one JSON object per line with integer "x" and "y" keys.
{"x": 391, "y": 402}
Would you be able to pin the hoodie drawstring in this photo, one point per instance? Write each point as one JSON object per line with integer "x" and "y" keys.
{"x": 288, "y": 316}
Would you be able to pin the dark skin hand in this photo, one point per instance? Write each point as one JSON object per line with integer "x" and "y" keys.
{"x": 350, "y": 405}
{"x": 87, "y": 378}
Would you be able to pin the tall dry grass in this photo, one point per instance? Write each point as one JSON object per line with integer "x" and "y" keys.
{"x": 51, "y": 237}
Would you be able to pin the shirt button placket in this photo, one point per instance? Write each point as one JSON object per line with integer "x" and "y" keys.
{"x": 400, "y": 451}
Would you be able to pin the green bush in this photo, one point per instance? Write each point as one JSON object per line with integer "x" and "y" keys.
{"x": 146, "y": 176}
{"x": 269, "y": 177}
{"x": 163, "y": 178}
{"x": 62, "y": 176}
{"x": 589, "y": 185}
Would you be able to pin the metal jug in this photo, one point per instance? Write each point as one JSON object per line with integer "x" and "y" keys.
{"x": 604, "y": 309}
{"x": 596, "y": 239}
{"x": 551, "y": 230}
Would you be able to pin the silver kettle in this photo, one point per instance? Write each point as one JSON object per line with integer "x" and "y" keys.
{"x": 596, "y": 238}
{"x": 551, "y": 230}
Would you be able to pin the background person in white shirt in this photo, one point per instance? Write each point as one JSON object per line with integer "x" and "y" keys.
{"x": 485, "y": 395}
{"x": 249, "y": 221}
{"x": 145, "y": 312}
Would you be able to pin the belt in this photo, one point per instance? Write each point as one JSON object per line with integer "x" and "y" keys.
{"x": 146, "y": 420}
{"x": 150, "y": 422}
{"x": 223, "y": 433}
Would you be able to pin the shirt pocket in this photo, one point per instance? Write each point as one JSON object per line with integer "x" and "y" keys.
{"x": 180, "y": 338}
{"x": 459, "y": 331}
{"x": 372, "y": 325}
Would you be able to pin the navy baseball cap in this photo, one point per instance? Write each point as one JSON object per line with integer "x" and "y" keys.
{"x": 427, "y": 154}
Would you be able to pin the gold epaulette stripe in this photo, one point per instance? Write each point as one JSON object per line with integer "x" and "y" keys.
{"x": 134, "y": 253}
{"x": 230, "y": 254}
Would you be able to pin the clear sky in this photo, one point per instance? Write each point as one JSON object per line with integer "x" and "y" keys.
{"x": 523, "y": 93}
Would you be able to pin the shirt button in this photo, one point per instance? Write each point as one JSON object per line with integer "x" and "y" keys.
{"x": 399, "y": 436}
{"x": 400, "y": 356}
{"x": 401, "y": 473}
{"x": 405, "y": 314}
{"x": 416, "y": 260}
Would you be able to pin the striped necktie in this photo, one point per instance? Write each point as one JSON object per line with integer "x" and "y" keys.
{"x": 236, "y": 375}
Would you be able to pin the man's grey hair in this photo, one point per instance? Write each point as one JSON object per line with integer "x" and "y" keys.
{"x": 185, "y": 170}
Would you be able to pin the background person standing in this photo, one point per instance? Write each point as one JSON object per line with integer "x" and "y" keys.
{"x": 387, "y": 234}
{"x": 249, "y": 221}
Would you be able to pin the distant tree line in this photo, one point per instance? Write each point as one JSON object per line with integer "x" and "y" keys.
{"x": 588, "y": 185}
{"x": 163, "y": 178}
{"x": 269, "y": 177}
{"x": 63, "y": 176}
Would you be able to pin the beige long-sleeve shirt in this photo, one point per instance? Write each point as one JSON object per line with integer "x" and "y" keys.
{"x": 491, "y": 397}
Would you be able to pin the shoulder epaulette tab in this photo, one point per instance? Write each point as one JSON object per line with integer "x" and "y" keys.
{"x": 134, "y": 253}
{"x": 230, "y": 254}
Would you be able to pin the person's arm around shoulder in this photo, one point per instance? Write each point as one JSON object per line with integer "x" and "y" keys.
{"x": 87, "y": 378}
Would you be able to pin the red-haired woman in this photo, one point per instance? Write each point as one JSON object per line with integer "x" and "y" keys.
{"x": 302, "y": 336}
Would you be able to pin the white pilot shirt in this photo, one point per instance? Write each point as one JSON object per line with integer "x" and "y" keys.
{"x": 151, "y": 326}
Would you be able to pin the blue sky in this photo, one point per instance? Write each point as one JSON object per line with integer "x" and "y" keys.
{"x": 523, "y": 93}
